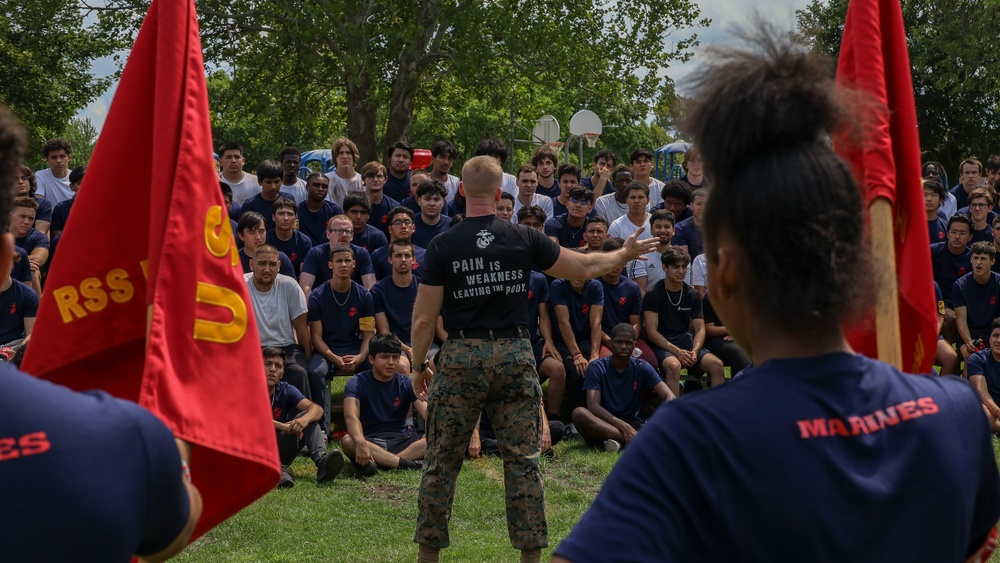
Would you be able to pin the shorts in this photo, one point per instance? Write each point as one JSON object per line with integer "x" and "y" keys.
{"x": 392, "y": 442}
{"x": 684, "y": 342}
{"x": 536, "y": 347}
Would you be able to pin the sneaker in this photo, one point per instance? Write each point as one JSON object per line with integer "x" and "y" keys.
{"x": 364, "y": 471}
{"x": 286, "y": 481}
{"x": 612, "y": 446}
{"x": 572, "y": 433}
{"x": 329, "y": 466}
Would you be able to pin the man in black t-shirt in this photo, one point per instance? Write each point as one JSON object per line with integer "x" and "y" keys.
{"x": 479, "y": 271}
{"x": 675, "y": 324}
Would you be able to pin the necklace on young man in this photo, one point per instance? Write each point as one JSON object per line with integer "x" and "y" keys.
{"x": 346, "y": 299}
{"x": 680, "y": 297}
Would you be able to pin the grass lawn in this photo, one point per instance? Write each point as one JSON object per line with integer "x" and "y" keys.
{"x": 374, "y": 520}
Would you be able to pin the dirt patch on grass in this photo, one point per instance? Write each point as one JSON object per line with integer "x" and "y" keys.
{"x": 390, "y": 492}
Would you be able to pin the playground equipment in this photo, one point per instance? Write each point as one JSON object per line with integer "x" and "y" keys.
{"x": 666, "y": 166}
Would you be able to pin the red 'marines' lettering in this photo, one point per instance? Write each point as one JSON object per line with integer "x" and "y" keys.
{"x": 30, "y": 444}
{"x": 868, "y": 423}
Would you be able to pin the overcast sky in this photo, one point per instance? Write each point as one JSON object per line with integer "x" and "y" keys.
{"x": 726, "y": 15}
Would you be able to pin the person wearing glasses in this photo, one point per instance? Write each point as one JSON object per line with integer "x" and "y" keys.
{"x": 950, "y": 260}
{"x": 373, "y": 177}
{"x": 980, "y": 202}
{"x": 400, "y": 221}
{"x": 316, "y": 267}
{"x": 567, "y": 230}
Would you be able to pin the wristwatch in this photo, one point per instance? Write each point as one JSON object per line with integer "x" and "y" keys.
{"x": 423, "y": 366}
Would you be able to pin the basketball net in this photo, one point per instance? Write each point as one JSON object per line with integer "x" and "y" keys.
{"x": 591, "y": 139}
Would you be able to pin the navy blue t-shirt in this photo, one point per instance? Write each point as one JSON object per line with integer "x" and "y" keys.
{"x": 44, "y": 211}
{"x": 621, "y": 391}
{"x": 379, "y": 217}
{"x": 831, "y": 458}
{"x": 411, "y": 204}
{"x": 980, "y": 301}
{"x": 60, "y": 214}
{"x": 317, "y": 263}
{"x": 296, "y": 248}
{"x": 285, "y": 264}
{"x": 397, "y": 304}
{"x": 32, "y": 240}
{"x": 567, "y": 236}
{"x": 22, "y": 267}
{"x": 125, "y": 495}
{"x": 621, "y": 301}
{"x": 396, "y": 188}
{"x": 937, "y": 229}
{"x": 961, "y": 197}
{"x": 16, "y": 304}
{"x": 284, "y": 402}
{"x": 384, "y": 404}
{"x": 538, "y": 294}
{"x": 587, "y": 182}
{"x": 982, "y": 363}
{"x": 949, "y": 267}
{"x": 578, "y": 304}
{"x": 260, "y": 205}
{"x": 982, "y": 235}
{"x": 371, "y": 239}
{"x": 341, "y": 330}
{"x": 552, "y": 191}
{"x": 686, "y": 233}
{"x": 456, "y": 207}
{"x": 313, "y": 224}
{"x": 383, "y": 269}
{"x": 423, "y": 233}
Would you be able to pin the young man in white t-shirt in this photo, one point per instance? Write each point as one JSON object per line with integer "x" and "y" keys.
{"x": 344, "y": 179}
{"x": 244, "y": 185}
{"x": 291, "y": 159}
{"x": 642, "y": 168}
{"x": 53, "y": 182}
{"x": 527, "y": 184}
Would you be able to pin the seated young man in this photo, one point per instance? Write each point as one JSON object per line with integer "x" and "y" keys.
{"x": 599, "y": 181}
{"x": 527, "y": 191}
{"x": 373, "y": 176}
{"x": 613, "y": 205}
{"x": 614, "y": 388}
{"x": 675, "y": 324}
{"x": 358, "y": 209}
{"x": 297, "y": 421}
{"x": 376, "y": 403}
{"x": 253, "y": 233}
{"x": 341, "y": 321}
{"x": 719, "y": 342}
{"x": 950, "y": 260}
{"x": 661, "y": 227}
{"x": 567, "y": 229}
{"x": 430, "y": 222}
{"x": 505, "y": 207}
{"x": 595, "y": 234}
{"x": 676, "y": 196}
{"x": 687, "y": 233}
{"x": 637, "y": 200}
{"x": 622, "y": 304}
{"x": 984, "y": 375}
{"x": 400, "y": 228}
{"x": 548, "y": 360}
{"x": 18, "y": 309}
{"x": 270, "y": 176}
{"x": 974, "y": 297}
{"x": 980, "y": 202}
{"x": 316, "y": 266}
{"x": 937, "y": 223}
{"x": 394, "y": 297}
{"x": 316, "y": 211}
{"x": 579, "y": 307}
{"x": 285, "y": 237}
{"x": 416, "y": 177}
{"x": 36, "y": 244}
{"x": 25, "y": 185}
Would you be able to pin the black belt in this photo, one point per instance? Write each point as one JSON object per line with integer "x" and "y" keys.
{"x": 519, "y": 331}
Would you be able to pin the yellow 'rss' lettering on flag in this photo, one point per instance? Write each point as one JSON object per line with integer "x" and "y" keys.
{"x": 116, "y": 285}
{"x": 223, "y": 333}
{"x": 221, "y": 242}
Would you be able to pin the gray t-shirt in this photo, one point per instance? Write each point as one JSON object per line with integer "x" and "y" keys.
{"x": 275, "y": 309}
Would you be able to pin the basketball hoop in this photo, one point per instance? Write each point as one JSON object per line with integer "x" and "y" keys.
{"x": 591, "y": 139}
{"x": 557, "y": 145}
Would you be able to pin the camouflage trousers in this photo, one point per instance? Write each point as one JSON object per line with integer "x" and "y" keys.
{"x": 498, "y": 376}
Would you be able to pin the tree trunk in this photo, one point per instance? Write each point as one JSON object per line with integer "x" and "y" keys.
{"x": 361, "y": 115}
{"x": 412, "y": 59}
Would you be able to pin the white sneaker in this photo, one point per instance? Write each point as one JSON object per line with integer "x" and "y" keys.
{"x": 612, "y": 446}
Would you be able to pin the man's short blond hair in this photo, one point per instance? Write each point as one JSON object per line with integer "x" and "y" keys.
{"x": 481, "y": 176}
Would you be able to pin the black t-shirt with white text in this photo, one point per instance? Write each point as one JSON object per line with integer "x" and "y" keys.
{"x": 675, "y": 309}
{"x": 484, "y": 264}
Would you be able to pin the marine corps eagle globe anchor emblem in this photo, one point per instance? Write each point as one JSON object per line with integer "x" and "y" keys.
{"x": 484, "y": 238}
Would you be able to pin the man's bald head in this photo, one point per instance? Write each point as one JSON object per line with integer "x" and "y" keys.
{"x": 481, "y": 177}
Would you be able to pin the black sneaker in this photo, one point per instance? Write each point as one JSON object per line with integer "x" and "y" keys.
{"x": 286, "y": 481}
{"x": 364, "y": 471}
{"x": 329, "y": 466}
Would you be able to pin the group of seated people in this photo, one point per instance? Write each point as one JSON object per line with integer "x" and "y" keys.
{"x": 332, "y": 266}
{"x": 964, "y": 228}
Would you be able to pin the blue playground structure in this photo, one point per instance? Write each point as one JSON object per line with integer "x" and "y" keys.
{"x": 666, "y": 165}
{"x": 323, "y": 156}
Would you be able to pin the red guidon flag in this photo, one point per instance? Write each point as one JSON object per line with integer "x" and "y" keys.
{"x": 874, "y": 59}
{"x": 149, "y": 241}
